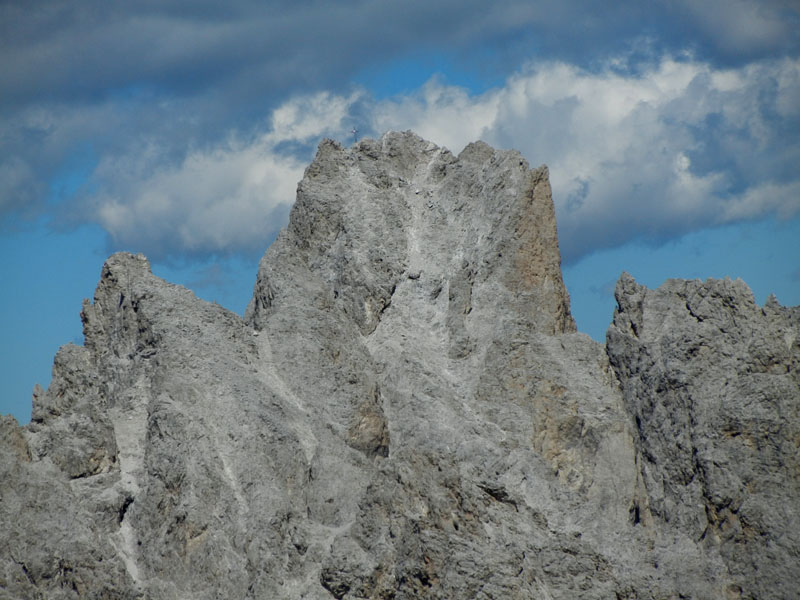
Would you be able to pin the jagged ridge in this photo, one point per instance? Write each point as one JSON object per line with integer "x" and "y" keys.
{"x": 405, "y": 411}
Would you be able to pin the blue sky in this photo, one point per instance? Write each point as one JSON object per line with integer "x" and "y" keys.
{"x": 671, "y": 130}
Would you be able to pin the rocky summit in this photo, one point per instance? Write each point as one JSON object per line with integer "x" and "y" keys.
{"x": 407, "y": 411}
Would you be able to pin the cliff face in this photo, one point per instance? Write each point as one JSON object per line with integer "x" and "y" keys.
{"x": 712, "y": 383}
{"x": 406, "y": 411}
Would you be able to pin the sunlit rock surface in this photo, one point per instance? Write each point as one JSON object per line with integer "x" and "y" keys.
{"x": 406, "y": 411}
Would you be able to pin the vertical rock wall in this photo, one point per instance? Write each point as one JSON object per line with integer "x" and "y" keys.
{"x": 712, "y": 383}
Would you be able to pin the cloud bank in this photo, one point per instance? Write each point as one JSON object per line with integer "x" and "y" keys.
{"x": 676, "y": 148}
{"x": 216, "y": 200}
{"x": 183, "y": 132}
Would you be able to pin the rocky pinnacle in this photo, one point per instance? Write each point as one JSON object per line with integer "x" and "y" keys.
{"x": 406, "y": 411}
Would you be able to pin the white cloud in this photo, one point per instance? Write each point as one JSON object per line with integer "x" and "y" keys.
{"x": 673, "y": 149}
{"x": 655, "y": 155}
{"x": 212, "y": 202}
{"x": 446, "y": 115}
{"x": 217, "y": 200}
{"x": 781, "y": 199}
{"x": 307, "y": 117}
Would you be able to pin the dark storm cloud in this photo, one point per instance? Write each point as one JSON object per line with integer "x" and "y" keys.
{"x": 78, "y": 52}
{"x": 84, "y": 51}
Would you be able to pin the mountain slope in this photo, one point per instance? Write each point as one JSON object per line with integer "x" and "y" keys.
{"x": 406, "y": 411}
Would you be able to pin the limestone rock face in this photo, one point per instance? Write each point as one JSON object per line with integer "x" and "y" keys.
{"x": 406, "y": 411}
{"x": 713, "y": 385}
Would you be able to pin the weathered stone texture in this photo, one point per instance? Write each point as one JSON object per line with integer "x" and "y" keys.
{"x": 406, "y": 411}
{"x": 712, "y": 383}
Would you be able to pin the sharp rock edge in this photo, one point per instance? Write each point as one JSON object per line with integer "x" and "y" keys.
{"x": 406, "y": 411}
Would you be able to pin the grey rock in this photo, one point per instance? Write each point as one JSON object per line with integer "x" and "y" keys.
{"x": 406, "y": 411}
{"x": 712, "y": 382}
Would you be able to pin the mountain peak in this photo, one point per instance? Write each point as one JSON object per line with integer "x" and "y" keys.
{"x": 401, "y": 211}
{"x": 406, "y": 411}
